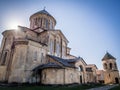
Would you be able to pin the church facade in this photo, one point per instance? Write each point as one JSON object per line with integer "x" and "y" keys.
{"x": 40, "y": 54}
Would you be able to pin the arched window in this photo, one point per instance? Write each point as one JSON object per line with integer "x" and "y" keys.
{"x": 57, "y": 49}
{"x": 110, "y": 65}
{"x": 81, "y": 68}
{"x": 55, "y": 45}
{"x": 51, "y": 46}
{"x": 35, "y": 21}
{"x": 105, "y": 66}
{"x": 40, "y": 22}
{"x": 46, "y": 23}
{"x": 35, "y": 56}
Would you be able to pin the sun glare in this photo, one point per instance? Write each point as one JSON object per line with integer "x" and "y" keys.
{"x": 13, "y": 25}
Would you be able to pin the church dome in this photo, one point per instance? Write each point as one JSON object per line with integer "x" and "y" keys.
{"x": 43, "y": 20}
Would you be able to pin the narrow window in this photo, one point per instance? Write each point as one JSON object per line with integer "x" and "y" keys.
{"x": 46, "y": 22}
{"x": 115, "y": 66}
{"x": 110, "y": 65}
{"x": 63, "y": 51}
{"x": 40, "y": 22}
{"x": 57, "y": 48}
{"x": 35, "y": 21}
{"x": 51, "y": 47}
{"x": 105, "y": 66}
{"x": 42, "y": 57}
{"x": 51, "y": 25}
{"x": 4, "y": 58}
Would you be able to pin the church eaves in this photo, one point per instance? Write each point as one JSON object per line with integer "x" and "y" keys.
{"x": 42, "y": 12}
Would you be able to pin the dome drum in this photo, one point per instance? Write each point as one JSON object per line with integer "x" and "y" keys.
{"x": 43, "y": 20}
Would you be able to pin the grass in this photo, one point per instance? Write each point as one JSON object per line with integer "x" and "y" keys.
{"x": 115, "y": 88}
{"x": 78, "y": 87}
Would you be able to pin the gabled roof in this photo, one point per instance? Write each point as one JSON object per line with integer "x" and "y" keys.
{"x": 43, "y": 30}
{"x": 108, "y": 56}
{"x": 64, "y": 62}
{"x": 59, "y": 31}
{"x": 83, "y": 61}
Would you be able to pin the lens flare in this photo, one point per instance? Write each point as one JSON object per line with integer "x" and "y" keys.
{"x": 13, "y": 25}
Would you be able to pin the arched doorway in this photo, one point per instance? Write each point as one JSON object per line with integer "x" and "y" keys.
{"x": 116, "y": 80}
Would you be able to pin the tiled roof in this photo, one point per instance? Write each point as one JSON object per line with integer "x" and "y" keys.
{"x": 64, "y": 62}
{"x": 43, "y": 12}
{"x": 108, "y": 56}
{"x": 73, "y": 60}
{"x": 48, "y": 65}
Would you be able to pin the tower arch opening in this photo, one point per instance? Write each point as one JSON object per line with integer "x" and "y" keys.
{"x": 110, "y": 65}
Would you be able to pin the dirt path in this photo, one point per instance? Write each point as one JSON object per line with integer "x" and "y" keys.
{"x": 104, "y": 87}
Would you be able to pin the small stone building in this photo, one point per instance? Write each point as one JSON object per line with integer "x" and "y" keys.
{"x": 91, "y": 73}
{"x": 100, "y": 76}
{"x": 111, "y": 73}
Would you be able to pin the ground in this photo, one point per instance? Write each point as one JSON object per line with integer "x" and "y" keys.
{"x": 116, "y": 88}
{"x": 78, "y": 87}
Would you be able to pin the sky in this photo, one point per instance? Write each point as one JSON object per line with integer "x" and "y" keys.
{"x": 91, "y": 26}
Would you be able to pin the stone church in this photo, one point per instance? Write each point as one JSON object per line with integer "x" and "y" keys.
{"x": 40, "y": 54}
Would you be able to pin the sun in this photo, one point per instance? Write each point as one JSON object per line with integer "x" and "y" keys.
{"x": 13, "y": 25}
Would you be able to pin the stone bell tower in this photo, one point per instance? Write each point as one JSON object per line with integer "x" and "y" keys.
{"x": 43, "y": 20}
{"x": 111, "y": 73}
